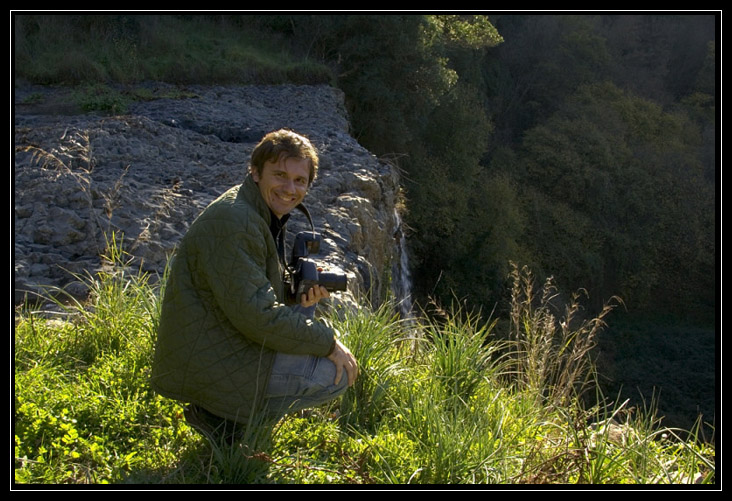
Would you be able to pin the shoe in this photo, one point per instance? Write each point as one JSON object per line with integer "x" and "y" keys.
{"x": 214, "y": 428}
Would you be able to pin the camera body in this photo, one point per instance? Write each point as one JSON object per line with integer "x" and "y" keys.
{"x": 305, "y": 273}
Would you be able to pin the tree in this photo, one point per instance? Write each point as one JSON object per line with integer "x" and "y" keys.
{"x": 543, "y": 60}
{"x": 617, "y": 181}
{"x": 414, "y": 91}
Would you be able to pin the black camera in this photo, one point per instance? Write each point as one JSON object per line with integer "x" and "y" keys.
{"x": 305, "y": 273}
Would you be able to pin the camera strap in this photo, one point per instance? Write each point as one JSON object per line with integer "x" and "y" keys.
{"x": 305, "y": 211}
{"x": 287, "y": 267}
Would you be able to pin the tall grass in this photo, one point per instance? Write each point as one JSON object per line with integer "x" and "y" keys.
{"x": 437, "y": 402}
{"x": 552, "y": 357}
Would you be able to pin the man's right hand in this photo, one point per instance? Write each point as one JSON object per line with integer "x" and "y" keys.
{"x": 344, "y": 359}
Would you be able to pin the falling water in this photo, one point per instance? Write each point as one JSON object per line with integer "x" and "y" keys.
{"x": 401, "y": 278}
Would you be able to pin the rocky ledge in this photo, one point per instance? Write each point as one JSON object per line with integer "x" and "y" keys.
{"x": 146, "y": 174}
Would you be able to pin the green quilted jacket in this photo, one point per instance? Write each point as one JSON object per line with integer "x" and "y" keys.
{"x": 224, "y": 314}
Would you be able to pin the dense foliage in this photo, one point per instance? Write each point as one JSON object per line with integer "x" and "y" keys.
{"x": 582, "y": 145}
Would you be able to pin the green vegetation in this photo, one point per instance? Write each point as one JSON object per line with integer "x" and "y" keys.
{"x": 129, "y": 49}
{"x": 105, "y": 58}
{"x": 581, "y": 145}
{"x": 437, "y": 402}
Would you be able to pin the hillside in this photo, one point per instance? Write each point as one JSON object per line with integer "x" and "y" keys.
{"x": 584, "y": 146}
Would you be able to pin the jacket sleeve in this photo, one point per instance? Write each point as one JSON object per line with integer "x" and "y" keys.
{"x": 233, "y": 260}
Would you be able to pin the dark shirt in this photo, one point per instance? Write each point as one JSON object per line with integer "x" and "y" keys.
{"x": 277, "y": 227}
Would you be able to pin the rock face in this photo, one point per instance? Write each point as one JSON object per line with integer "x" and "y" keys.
{"x": 145, "y": 175}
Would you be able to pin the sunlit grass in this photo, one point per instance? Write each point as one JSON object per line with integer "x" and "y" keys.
{"x": 437, "y": 402}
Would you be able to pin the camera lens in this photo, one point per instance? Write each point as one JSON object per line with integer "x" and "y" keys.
{"x": 333, "y": 281}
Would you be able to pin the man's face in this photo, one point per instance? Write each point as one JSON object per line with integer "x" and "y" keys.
{"x": 283, "y": 184}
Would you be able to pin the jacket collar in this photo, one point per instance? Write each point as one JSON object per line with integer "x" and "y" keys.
{"x": 249, "y": 192}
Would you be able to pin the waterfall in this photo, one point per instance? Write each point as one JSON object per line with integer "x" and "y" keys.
{"x": 401, "y": 277}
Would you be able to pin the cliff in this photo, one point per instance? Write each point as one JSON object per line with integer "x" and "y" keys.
{"x": 147, "y": 173}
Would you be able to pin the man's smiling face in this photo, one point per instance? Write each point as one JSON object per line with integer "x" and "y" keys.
{"x": 283, "y": 184}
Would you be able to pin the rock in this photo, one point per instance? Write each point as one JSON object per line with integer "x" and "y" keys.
{"x": 610, "y": 431}
{"x": 146, "y": 175}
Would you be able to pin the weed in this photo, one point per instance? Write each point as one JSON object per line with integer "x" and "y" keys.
{"x": 443, "y": 414}
{"x": 551, "y": 354}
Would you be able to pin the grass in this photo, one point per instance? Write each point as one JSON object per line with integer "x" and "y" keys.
{"x": 437, "y": 402}
{"x": 106, "y": 58}
{"x": 127, "y": 49}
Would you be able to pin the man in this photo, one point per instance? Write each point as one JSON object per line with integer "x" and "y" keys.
{"x": 227, "y": 342}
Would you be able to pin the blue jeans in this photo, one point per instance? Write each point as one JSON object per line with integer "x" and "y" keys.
{"x": 301, "y": 381}
{"x": 297, "y": 382}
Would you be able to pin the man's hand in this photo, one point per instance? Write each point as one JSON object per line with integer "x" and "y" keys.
{"x": 343, "y": 359}
{"x": 341, "y": 356}
{"x": 314, "y": 295}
